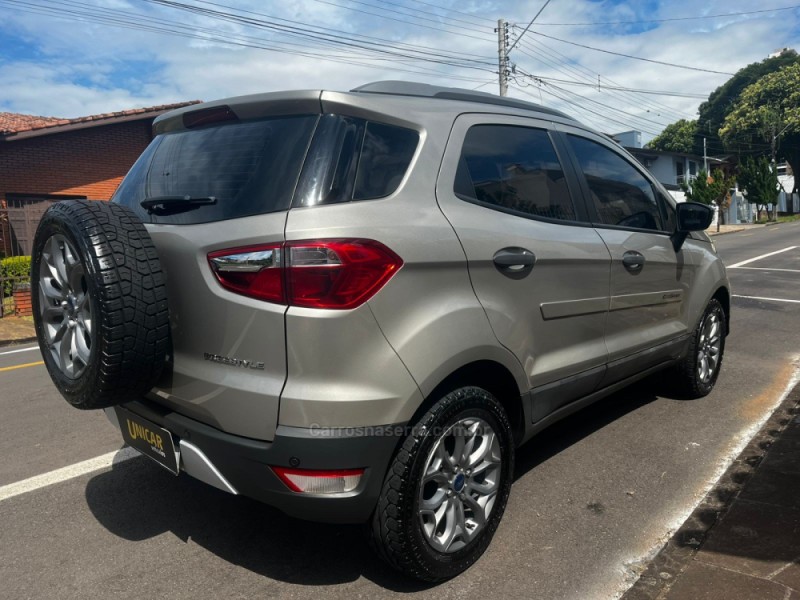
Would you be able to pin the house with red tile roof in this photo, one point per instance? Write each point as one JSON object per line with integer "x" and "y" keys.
{"x": 45, "y": 159}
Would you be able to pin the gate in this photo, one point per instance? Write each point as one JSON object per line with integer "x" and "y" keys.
{"x": 19, "y": 218}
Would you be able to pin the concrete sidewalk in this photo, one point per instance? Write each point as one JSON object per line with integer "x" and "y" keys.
{"x": 723, "y": 229}
{"x": 743, "y": 541}
{"x": 16, "y": 330}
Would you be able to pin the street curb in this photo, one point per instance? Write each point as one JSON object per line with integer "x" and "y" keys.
{"x": 716, "y": 233}
{"x": 663, "y": 571}
{"x": 19, "y": 342}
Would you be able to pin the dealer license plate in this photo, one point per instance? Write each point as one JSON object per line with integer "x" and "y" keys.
{"x": 148, "y": 438}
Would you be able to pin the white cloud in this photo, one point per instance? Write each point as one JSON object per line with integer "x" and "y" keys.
{"x": 71, "y": 68}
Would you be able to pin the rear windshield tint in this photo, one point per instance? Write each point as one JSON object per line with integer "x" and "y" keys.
{"x": 249, "y": 168}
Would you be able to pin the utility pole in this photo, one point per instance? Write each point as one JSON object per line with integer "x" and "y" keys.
{"x": 502, "y": 55}
{"x": 705, "y": 157}
{"x": 774, "y": 165}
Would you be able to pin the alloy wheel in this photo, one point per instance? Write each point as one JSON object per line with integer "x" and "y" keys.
{"x": 709, "y": 347}
{"x": 65, "y": 307}
{"x": 459, "y": 484}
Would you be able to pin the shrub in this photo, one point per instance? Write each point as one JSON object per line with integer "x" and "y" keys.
{"x": 15, "y": 269}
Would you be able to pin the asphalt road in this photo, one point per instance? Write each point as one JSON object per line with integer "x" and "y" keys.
{"x": 595, "y": 495}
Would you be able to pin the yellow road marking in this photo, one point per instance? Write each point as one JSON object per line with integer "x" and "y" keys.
{"x": 33, "y": 364}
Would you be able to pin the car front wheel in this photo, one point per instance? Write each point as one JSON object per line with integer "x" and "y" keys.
{"x": 697, "y": 372}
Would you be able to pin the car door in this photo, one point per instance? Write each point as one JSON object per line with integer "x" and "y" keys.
{"x": 537, "y": 266}
{"x": 648, "y": 318}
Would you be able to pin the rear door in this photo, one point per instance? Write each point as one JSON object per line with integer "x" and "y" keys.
{"x": 648, "y": 317}
{"x": 228, "y": 349}
{"x": 538, "y": 268}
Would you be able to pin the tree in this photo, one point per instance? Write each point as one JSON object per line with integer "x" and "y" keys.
{"x": 721, "y": 101}
{"x": 760, "y": 182}
{"x": 713, "y": 189}
{"x": 676, "y": 137}
{"x": 769, "y": 111}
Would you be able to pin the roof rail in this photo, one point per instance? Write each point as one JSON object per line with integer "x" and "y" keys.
{"x": 424, "y": 90}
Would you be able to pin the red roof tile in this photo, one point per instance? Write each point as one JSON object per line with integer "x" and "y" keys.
{"x": 12, "y": 123}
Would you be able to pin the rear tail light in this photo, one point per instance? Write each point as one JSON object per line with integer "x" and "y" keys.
{"x": 208, "y": 116}
{"x": 315, "y": 274}
{"x": 255, "y": 271}
{"x": 319, "y": 482}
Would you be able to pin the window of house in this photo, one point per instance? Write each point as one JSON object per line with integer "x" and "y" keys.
{"x": 692, "y": 168}
{"x": 621, "y": 195}
{"x": 515, "y": 169}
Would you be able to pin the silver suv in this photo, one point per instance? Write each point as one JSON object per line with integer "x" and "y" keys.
{"x": 355, "y": 306}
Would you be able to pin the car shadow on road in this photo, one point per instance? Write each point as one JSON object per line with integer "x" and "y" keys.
{"x": 137, "y": 501}
{"x": 589, "y": 420}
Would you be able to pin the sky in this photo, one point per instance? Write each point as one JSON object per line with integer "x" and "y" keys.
{"x": 72, "y": 58}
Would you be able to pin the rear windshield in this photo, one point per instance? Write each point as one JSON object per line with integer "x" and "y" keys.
{"x": 248, "y": 168}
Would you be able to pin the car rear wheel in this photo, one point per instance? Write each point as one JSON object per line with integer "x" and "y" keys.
{"x": 447, "y": 487}
{"x": 99, "y": 301}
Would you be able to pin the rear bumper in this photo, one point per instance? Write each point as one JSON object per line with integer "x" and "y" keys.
{"x": 240, "y": 465}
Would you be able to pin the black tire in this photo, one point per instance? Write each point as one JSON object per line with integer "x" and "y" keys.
{"x": 687, "y": 381}
{"x": 110, "y": 294}
{"x": 397, "y": 527}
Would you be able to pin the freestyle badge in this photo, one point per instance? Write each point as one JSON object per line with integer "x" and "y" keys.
{"x": 234, "y": 362}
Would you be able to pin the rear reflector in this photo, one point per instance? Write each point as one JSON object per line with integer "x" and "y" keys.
{"x": 319, "y": 482}
{"x": 337, "y": 273}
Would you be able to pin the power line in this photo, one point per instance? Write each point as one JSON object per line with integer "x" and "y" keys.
{"x": 138, "y": 21}
{"x": 299, "y": 29}
{"x": 621, "y": 96}
{"x": 627, "y": 89}
{"x": 594, "y": 78}
{"x": 650, "y": 60}
{"x": 343, "y": 33}
{"x": 458, "y": 12}
{"x": 528, "y": 26}
{"x": 366, "y": 12}
{"x": 732, "y": 14}
{"x": 638, "y": 122}
{"x": 446, "y": 17}
{"x": 606, "y": 106}
{"x": 584, "y": 109}
{"x": 588, "y": 80}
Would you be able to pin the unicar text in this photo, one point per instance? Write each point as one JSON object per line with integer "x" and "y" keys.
{"x": 137, "y": 431}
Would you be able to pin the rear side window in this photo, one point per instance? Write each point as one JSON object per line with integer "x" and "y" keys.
{"x": 619, "y": 192}
{"x": 248, "y": 168}
{"x": 515, "y": 169}
{"x": 354, "y": 159}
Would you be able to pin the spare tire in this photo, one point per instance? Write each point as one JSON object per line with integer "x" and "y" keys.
{"x": 99, "y": 303}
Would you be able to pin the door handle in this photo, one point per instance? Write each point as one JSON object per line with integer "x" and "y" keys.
{"x": 633, "y": 261}
{"x": 514, "y": 262}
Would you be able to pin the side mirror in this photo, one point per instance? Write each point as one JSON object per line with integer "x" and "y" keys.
{"x": 692, "y": 216}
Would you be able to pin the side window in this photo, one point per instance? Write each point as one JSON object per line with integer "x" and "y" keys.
{"x": 513, "y": 168}
{"x": 353, "y": 159}
{"x": 620, "y": 193}
{"x": 385, "y": 155}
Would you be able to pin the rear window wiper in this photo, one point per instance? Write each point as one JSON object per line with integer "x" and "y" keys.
{"x": 167, "y": 205}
